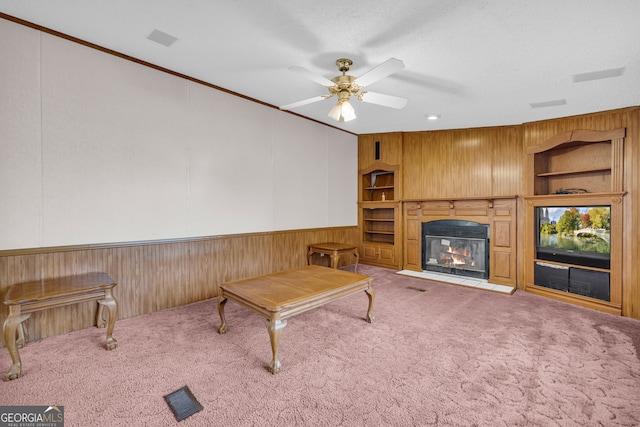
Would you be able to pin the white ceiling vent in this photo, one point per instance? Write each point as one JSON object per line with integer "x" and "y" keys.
{"x": 553, "y": 103}
{"x": 162, "y": 38}
{"x": 597, "y": 75}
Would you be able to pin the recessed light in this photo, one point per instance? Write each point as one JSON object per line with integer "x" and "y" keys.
{"x": 433, "y": 116}
{"x": 162, "y": 38}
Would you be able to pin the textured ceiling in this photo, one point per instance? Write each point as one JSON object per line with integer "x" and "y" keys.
{"x": 475, "y": 62}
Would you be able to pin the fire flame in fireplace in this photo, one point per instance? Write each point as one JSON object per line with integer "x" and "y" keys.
{"x": 461, "y": 257}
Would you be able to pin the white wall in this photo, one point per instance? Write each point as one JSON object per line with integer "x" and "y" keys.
{"x": 97, "y": 149}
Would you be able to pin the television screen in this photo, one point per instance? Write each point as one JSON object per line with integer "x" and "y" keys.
{"x": 574, "y": 234}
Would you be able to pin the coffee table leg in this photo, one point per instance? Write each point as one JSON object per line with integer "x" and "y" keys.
{"x": 221, "y": 302}
{"x": 372, "y": 295}
{"x": 11, "y": 325}
{"x": 275, "y": 328}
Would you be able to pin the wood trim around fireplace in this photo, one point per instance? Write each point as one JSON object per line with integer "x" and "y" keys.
{"x": 499, "y": 213}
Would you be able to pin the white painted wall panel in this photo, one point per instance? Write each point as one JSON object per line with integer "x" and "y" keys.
{"x": 343, "y": 178}
{"x": 115, "y": 157}
{"x": 20, "y": 160}
{"x": 231, "y": 170}
{"x": 98, "y": 149}
{"x": 300, "y": 173}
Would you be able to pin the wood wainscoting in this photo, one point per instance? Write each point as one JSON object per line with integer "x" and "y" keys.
{"x": 499, "y": 213}
{"x": 156, "y": 275}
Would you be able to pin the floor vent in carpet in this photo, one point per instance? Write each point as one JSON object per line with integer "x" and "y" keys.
{"x": 413, "y": 288}
{"x": 182, "y": 403}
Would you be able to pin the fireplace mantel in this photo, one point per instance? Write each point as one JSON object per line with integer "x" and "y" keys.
{"x": 497, "y": 212}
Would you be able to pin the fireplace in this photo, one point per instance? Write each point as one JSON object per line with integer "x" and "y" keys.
{"x": 456, "y": 247}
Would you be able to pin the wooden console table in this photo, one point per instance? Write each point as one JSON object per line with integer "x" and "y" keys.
{"x": 335, "y": 250}
{"x": 281, "y": 295}
{"x": 26, "y": 298}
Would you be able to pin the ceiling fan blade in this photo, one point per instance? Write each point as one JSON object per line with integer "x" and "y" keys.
{"x": 382, "y": 99}
{"x": 383, "y": 70}
{"x": 304, "y": 102}
{"x": 312, "y": 76}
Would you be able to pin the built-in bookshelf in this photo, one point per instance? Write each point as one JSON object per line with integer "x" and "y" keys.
{"x": 379, "y": 212}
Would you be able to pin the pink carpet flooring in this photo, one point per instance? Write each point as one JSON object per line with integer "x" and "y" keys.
{"x": 449, "y": 356}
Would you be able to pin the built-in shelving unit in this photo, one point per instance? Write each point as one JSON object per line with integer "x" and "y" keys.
{"x": 578, "y": 168}
{"x": 379, "y": 224}
{"x": 379, "y": 216}
{"x": 378, "y": 186}
{"x": 577, "y": 162}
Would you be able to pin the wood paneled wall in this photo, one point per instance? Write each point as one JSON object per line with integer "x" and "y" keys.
{"x": 491, "y": 162}
{"x": 388, "y": 153}
{"x": 462, "y": 163}
{"x": 153, "y": 276}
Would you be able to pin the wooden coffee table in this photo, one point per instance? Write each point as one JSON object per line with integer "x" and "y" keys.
{"x": 284, "y": 294}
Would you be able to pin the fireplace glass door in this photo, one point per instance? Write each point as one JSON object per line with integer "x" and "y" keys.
{"x": 456, "y": 247}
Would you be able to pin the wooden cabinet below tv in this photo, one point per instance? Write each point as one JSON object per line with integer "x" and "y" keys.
{"x": 575, "y": 282}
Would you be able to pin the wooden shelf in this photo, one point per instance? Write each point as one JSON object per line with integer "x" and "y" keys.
{"x": 575, "y": 171}
{"x": 378, "y": 185}
{"x": 561, "y": 199}
{"x": 378, "y": 221}
{"x": 563, "y": 264}
{"x": 386, "y": 187}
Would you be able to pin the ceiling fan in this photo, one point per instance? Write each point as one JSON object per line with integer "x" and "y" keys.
{"x": 344, "y": 86}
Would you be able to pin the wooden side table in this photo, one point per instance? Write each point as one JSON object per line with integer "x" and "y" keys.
{"x": 335, "y": 250}
{"x": 26, "y": 298}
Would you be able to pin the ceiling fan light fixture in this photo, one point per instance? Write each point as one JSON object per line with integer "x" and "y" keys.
{"x": 348, "y": 113}
{"x": 336, "y": 112}
{"x": 344, "y": 85}
{"x": 342, "y": 112}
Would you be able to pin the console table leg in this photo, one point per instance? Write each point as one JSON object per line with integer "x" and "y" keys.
{"x": 335, "y": 257}
{"x": 275, "y": 328}
{"x": 13, "y": 324}
{"x": 372, "y": 295}
{"x": 221, "y": 302}
{"x": 101, "y": 322}
{"x": 20, "y": 341}
{"x": 357, "y": 255}
{"x": 112, "y": 306}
